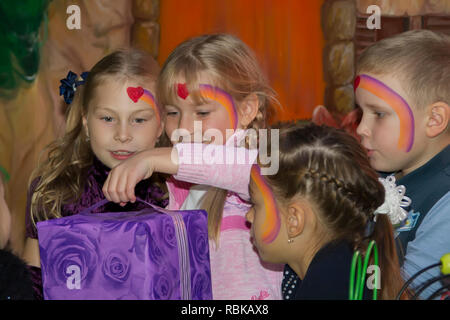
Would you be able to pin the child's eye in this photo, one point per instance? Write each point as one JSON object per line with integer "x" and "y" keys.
{"x": 172, "y": 113}
{"x": 107, "y": 119}
{"x": 379, "y": 115}
{"x": 203, "y": 113}
{"x": 140, "y": 120}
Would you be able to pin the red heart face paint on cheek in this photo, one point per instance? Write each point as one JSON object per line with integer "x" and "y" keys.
{"x": 182, "y": 90}
{"x": 135, "y": 93}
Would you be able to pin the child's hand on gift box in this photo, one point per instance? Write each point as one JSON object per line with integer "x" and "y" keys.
{"x": 123, "y": 178}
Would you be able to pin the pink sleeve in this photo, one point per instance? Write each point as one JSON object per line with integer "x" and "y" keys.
{"x": 225, "y": 167}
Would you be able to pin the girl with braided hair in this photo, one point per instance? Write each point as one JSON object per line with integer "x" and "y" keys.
{"x": 317, "y": 210}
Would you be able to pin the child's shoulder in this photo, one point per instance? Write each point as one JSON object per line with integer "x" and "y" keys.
{"x": 437, "y": 168}
{"x": 427, "y": 185}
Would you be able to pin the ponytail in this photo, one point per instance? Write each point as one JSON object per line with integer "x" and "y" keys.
{"x": 391, "y": 279}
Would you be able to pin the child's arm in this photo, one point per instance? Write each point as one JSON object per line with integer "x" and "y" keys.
{"x": 31, "y": 252}
{"x": 195, "y": 163}
{"x": 224, "y": 167}
{"x": 431, "y": 243}
{"x": 123, "y": 178}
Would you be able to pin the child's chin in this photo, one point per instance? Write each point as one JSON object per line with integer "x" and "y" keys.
{"x": 381, "y": 167}
{"x": 262, "y": 254}
{"x": 378, "y": 165}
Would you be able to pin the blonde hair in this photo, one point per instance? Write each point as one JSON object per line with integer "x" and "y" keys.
{"x": 420, "y": 59}
{"x": 230, "y": 65}
{"x": 61, "y": 176}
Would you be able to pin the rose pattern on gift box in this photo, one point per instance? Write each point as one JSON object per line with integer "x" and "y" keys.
{"x": 168, "y": 233}
{"x": 198, "y": 240}
{"x": 124, "y": 255}
{"x": 201, "y": 283}
{"x": 116, "y": 266}
{"x": 74, "y": 257}
{"x": 198, "y": 255}
{"x": 156, "y": 252}
{"x": 162, "y": 286}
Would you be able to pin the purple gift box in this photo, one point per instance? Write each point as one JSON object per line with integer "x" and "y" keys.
{"x": 153, "y": 254}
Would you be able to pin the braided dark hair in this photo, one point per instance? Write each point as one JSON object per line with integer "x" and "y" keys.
{"x": 329, "y": 168}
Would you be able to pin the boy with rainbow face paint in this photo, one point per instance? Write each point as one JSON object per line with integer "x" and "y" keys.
{"x": 403, "y": 89}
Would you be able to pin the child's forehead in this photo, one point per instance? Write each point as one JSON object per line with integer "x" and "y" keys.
{"x": 387, "y": 83}
{"x": 193, "y": 78}
{"x": 114, "y": 95}
{"x": 188, "y": 89}
{"x": 119, "y": 85}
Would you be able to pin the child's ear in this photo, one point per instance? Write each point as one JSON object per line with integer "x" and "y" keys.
{"x": 438, "y": 119}
{"x": 295, "y": 219}
{"x": 248, "y": 109}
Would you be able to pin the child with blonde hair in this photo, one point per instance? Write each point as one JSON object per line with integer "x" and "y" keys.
{"x": 113, "y": 116}
{"x": 214, "y": 92}
{"x": 403, "y": 89}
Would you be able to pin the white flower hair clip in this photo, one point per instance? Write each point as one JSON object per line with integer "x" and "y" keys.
{"x": 394, "y": 200}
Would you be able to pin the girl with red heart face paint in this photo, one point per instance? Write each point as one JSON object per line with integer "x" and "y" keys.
{"x": 112, "y": 117}
{"x": 211, "y": 86}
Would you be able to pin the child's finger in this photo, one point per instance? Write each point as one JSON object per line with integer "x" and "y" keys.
{"x": 105, "y": 187}
{"x": 114, "y": 176}
{"x": 122, "y": 187}
{"x": 131, "y": 185}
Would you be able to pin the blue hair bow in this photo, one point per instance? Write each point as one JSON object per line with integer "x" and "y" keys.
{"x": 69, "y": 85}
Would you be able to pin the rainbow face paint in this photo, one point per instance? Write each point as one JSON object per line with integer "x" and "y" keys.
{"x": 223, "y": 98}
{"x": 271, "y": 224}
{"x": 400, "y": 106}
{"x": 140, "y": 93}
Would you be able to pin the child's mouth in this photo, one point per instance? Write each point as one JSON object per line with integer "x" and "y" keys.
{"x": 121, "y": 154}
{"x": 369, "y": 151}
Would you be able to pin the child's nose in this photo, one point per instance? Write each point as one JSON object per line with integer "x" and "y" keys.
{"x": 362, "y": 129}
{"x": 123, "y": 133}
{"x": 186, "y": 123}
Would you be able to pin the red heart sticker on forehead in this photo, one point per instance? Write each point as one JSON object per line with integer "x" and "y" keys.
{"x": 356, "y": 83}
{"x": 135, "y": 93}
{"x": 182, "y": 90}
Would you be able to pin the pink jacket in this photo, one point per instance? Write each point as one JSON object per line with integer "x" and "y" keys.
{"x": 236, "y": 270}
